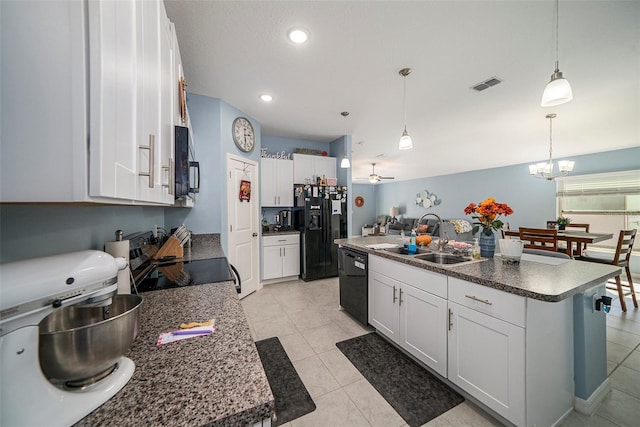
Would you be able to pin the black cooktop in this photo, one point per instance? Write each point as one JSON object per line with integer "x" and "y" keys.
{"x": 172, "y": 274}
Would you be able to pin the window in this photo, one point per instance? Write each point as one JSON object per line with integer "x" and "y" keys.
{"x": 608, "y": 202}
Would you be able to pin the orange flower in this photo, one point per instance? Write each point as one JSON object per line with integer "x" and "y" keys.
{"x": 487, "y": 215}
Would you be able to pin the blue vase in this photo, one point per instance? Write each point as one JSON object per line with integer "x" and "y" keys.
{"x": 487, "y": 245}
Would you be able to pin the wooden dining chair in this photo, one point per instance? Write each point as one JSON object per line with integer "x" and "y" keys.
{"x": 620, "y": 259}
{"x": 580, "y": 250}
{"x": 539, "y": 238}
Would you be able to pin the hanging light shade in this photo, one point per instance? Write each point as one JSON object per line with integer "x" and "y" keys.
{"x": 405, "y": 142}
{"x": 545, "y": 169}
{"x": 345, "y": 163}
{"x": 558, "y": 90}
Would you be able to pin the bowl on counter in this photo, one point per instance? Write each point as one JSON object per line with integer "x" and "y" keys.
{"x": 80, "y": 343}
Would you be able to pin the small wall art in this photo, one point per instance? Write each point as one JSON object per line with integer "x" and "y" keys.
{"x": 426, "y": 199}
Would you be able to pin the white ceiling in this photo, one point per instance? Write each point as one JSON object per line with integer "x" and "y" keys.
{"x": 236, "y": 50}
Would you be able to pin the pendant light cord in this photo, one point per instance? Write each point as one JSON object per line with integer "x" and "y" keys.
{"x": 557, "y": 30}
{"x": 550, "y": 141}
{"x": 404, "y": 101}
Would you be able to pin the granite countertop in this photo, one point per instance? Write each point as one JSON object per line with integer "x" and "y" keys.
{"x": 215, "y": 380}
{"x": 533, "y": 277}
{"x": 279, "y": 232}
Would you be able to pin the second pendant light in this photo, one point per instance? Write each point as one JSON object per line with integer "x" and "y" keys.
{"x": 405, "y": 142}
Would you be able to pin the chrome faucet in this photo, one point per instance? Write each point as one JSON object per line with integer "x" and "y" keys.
{"x": 441, "y": 240}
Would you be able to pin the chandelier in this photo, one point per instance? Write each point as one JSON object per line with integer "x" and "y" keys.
{"x": 545, "y": 169}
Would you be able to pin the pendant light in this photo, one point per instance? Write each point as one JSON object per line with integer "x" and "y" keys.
{"x": 405, "y": 142}
{"x": 345, "y": 164}
{"x": 545, "y": 169}
{"x": 558, "y": 90}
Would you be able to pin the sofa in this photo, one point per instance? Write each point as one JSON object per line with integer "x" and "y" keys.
{"x": 432, "y": 227}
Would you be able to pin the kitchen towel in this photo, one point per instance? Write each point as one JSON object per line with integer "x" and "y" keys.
{"x": 120, "y": 248}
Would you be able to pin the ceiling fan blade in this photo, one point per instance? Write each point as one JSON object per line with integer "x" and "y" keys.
{"x": 386, "y": 177}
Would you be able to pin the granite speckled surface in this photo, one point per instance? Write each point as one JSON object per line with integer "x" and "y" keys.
{"x": 204, "y": 246}
{"x": 215, "y": 380}
{"x": 280, "y": 233}
{"x": 531, "y": 279}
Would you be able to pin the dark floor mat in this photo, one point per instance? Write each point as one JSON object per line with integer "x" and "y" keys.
{"x": 291, "y": 396}
{"x": 416, "y": 394}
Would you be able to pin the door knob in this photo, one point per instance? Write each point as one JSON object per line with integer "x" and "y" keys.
{"x": 255, "y": 234}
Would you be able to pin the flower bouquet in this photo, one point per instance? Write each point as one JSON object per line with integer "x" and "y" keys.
{"x": 487, "y": 215}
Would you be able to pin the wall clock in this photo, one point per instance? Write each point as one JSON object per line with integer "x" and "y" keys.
{"x": 243, "y": 134}
{"x": 359, "y": 201}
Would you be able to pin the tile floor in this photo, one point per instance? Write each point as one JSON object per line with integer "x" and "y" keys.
{"x": 306, "y": 318}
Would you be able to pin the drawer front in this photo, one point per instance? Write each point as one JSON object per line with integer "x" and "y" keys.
{"x": 501, "y": 305}
{"x": 422, "y": 279}
{"x": 282, "y": 239}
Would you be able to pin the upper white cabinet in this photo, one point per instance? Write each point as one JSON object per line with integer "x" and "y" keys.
{"x": 277, "y": 182}
{"x": 88, "y": 116}
{"x": 306, "y": 167}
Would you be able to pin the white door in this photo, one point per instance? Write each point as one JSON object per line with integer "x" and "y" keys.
{"x": 383, "y": 306}
{"x": 486, "y": 359}
{"x": 290, "y": 260}
{"x": 423, "y": 327}
{"x": 242, "y": 243}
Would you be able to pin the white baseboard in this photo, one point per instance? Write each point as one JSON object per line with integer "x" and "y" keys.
{"x": 589, "y": 406}
{"x": 278, "y": 280}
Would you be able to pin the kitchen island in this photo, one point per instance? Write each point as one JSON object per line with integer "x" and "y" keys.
{"x": 524, "y": 340}
{"x": 214, "y": 380}
{"x": 546, "y": 280}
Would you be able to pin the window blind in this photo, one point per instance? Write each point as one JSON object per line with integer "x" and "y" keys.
{"x": 621, "y": 183}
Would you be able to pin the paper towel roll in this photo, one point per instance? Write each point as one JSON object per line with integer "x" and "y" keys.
{"x": 120, "y": 249}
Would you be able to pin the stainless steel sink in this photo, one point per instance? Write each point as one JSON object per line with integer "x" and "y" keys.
{"x": 405, "y": 251}
{"x": 441, "y": 258}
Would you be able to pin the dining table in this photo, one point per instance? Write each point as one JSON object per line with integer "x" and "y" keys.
{"x": 572, "y": 236}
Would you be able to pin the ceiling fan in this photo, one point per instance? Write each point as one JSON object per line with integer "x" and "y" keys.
{"x": 374, "y": 177}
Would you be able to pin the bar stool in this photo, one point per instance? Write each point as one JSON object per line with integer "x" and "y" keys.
{"x": 620, "y": 259}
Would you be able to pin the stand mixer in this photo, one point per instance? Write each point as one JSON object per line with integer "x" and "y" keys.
{"x": 30, "y": 291}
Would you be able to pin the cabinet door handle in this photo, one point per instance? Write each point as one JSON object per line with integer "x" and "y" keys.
{"x": 170, "y": 185}
{"x": 278, "y": 199}
{"x": 152, "y": 154}
{"x": 394, "y": 295}
{"x": 400, "y": 301}
{"x": 275, "y": 200}
{"x": 484, "y": 301}
{"x": 284, "y": 250}
{"x": 450, "y": 316}
{"x": 281, "y": 252}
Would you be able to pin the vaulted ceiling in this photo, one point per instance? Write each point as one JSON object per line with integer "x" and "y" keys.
{"x": 236, "y": 50}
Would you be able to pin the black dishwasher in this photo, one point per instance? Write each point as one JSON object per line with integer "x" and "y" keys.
{"x": 354, "y": 294}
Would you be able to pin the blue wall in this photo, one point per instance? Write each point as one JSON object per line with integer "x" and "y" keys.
{"x": 368, "y": 212}
{"x": 533, "y": 200}
{"x": 31, "y": 231}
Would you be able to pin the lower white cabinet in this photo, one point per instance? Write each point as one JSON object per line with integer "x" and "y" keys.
{"x": 511, "y": 353}
{"x": 280, "y": 256}
{"x": 406, "y": 313}
{"x": 486, "y": 359}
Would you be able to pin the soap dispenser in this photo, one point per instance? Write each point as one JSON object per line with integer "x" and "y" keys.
{"x": 475, "y": 250}
{"x": 412, "y": 243}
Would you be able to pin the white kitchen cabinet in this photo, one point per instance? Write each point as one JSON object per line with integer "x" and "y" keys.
{"x": 280, "y": 256}
{"x": 487, "y": 360}
{"x": 513, "y": 354}
{"x": 276, "y": 187}
{"x": 102, "y": 64}
{"x": 306, "y": 167}
{"x": 409, "y": 311}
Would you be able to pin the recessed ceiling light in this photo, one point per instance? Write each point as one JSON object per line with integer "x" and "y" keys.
{"x": 298, "y": 35}
{"x": 266, "y": 97}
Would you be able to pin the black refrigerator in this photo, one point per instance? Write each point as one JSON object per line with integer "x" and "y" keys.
{"x": 323, "y": 219}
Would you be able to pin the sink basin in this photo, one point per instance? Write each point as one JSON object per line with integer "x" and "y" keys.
{"x": 439, "y": 258}
{"x": 405, "y": 251}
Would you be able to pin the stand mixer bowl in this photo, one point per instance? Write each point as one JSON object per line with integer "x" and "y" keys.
{"x": 80, "y": 345}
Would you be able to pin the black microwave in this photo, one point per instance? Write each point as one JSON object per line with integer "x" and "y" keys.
{"x": 187, "y": 171}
